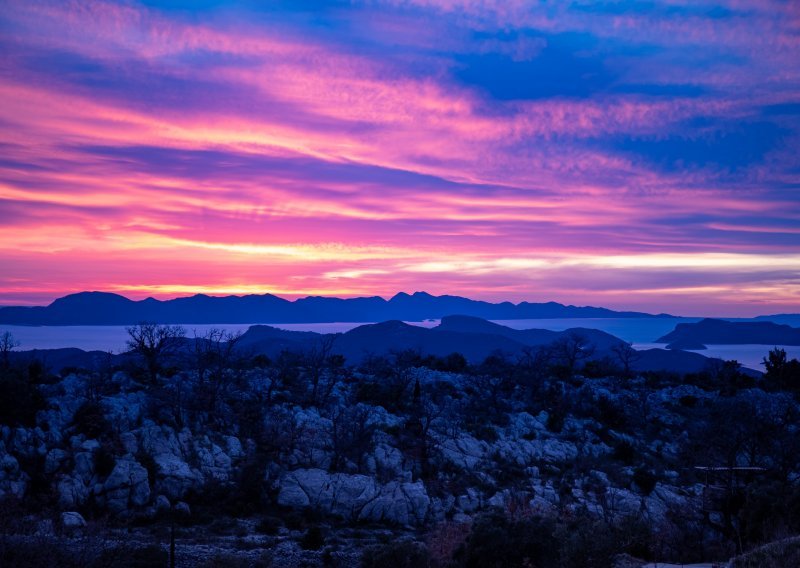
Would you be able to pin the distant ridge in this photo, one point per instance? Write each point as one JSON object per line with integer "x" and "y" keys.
{"x": 472, "y": 337}
{"x": 720, "y": 332}
{"x": 103, "y": 308}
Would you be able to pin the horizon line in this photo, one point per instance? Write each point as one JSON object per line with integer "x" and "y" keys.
{"x": 385, "y": 298}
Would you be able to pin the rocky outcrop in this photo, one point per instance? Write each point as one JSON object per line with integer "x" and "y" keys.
{"x": 355, "y": 497}
{"x": 72, "y": 492}
{"x": 184, "y": 460}
{"x": 13, "y": 481}
{"x": 126, "y": 487}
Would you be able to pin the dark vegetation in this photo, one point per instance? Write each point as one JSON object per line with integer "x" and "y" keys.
{"x": 636, "y": 436}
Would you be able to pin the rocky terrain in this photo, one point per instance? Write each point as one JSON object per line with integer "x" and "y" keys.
{"x": 544, "y": 458}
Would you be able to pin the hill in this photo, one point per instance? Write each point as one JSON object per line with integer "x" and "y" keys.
{"x": 721, "y": 332}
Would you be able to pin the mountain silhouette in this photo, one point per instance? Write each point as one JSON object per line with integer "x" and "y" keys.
{"x": 103, "y": 308}
{"x": 721, "y": 332}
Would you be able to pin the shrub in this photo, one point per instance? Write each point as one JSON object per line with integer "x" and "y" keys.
{"x": 131, "y": 557}
{"x": 611, "y": 413}
{"x": 645, "y": 480}
{"x": 149, "y": 463}
{"x": 555, "y": 421}
{"x": 104, "y": 461}
{"x": 399, "y": 554}
{"x": 586, "y": 542}
{"x": 32, "y": 553}
{"x": 90, "y": 420}
{"x": 226, "y": 560}
{"x": 484, "y": 432}
{"x": 269, "y": 525}
{"x": 624, "y": 452}
{"x": 20, "y": 399}
{"x": 313, "y": 539}
{"x": 773, "y": 555}
{"x": 497, "y": 542}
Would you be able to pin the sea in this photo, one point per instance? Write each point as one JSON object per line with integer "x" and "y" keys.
{"x": 641, "y": 332}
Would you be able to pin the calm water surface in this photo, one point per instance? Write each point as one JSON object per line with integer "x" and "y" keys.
{"x": 641, "y": 332}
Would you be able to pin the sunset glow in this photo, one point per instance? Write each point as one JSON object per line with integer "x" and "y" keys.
{"x": 632, "y": 155}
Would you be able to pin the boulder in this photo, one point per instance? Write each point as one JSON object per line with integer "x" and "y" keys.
{"x": 214, "y": 462}
{"x": 127, "y": 486}
{"x": 162, "y": 504}
{"x": 399, "y": 503}
{"x": 9, "y": 466}
{"x": 388, "y": 461}
{"x": 129, "y": 442}
{"x": 90, "y": 445}
{"x": 29, "y": 442}
{"x": 84, "y": 466}
{"x": 175, "y": 477}
{"x": 182, "y": 509}
{"x": 54, "y": 460}
{"x": 233, "y": 447}
{"x": 72, "y": 520}
{"x": 355, "y": 497}
{"x": 125, "y": 409}
{"x": 465, "y": 451}
{"x": 72, "y": 492}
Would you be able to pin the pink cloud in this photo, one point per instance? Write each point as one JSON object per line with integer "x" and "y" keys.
{"x": 314, "y": 168}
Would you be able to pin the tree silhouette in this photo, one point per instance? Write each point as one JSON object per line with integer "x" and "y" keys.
{"x": 153, "y": 343}
{"x": 7, "y": 345}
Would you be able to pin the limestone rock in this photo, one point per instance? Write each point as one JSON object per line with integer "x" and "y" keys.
{"x": 72, "y": 492}
{"x": 127, "y": 486}
{"x": 355, "y": 497}
{"x": 54, "y": 460}
{"x": 182, "y": 509}
{"x": 162, "y": 504}
{"x": 72, "y": 520}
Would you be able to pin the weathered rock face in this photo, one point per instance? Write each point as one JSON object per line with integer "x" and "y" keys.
{"x": 125, "y": 409}
{"x": 388, "y": 462}
{"x": 214, "y": 462}
{"x": 72, "y": 492}
{"x": 55, "y": 460}
{"x": 162, "y": 504}
{"x": 355, "y": 497}
{"x": 187, "y": 461}
{"x": 84, "y": 466}
{"x": 13, "y": 481}
{"x": 175, "y": 477}
{"x": 28, "y": 442}
{"x": 401, "y": 503}
{"x": 126, "y": 487}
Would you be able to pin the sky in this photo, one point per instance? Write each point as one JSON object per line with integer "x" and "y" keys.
{"x": 628, "y": 154}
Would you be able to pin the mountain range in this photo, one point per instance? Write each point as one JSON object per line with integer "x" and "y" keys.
{"x": 102, "y": 308}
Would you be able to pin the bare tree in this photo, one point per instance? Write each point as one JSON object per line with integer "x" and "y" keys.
{"x": 214, "y": 356}
{"x": 351, "y": 434}
{"x": 626, "y": 356}
{"x": 154, "y": 342}
{"x": 7, "y": 345}
{"x": 572, "y": 349}
{"x": 323, "y": 369}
